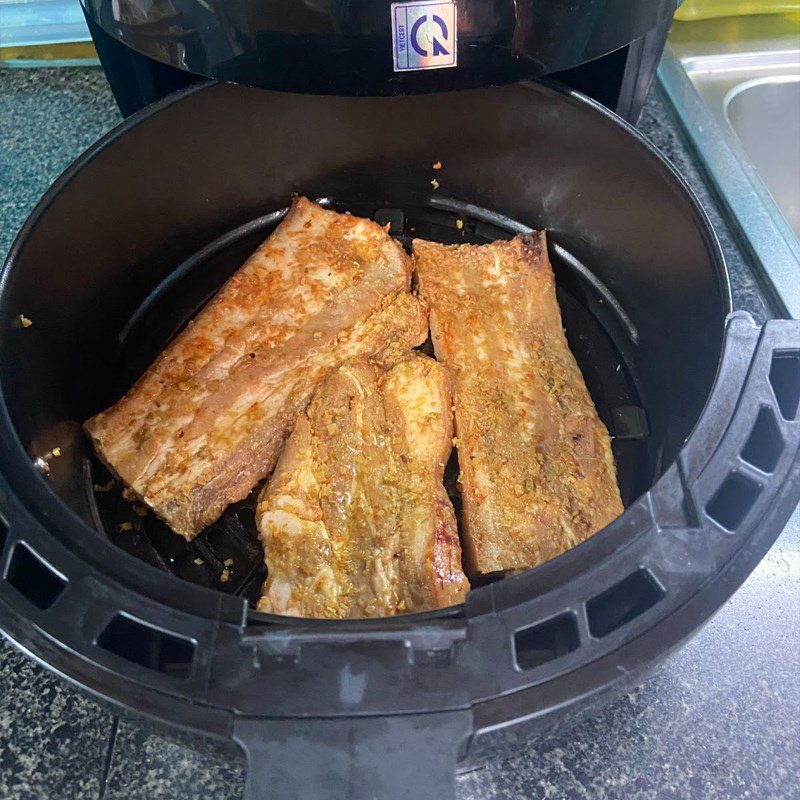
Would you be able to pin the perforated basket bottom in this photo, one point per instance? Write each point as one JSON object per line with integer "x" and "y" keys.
{"x": 227, "y": 555}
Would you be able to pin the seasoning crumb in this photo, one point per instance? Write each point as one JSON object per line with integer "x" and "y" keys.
{"x": 140, "y": 510}
{"x": 199, "y": 562}
{"x": 106, "y": 487}
{"x": 437, "y": 165}
{"x": 129, "y": 494}
{"x": 619, "y": 367}
{"x": 24, "y": 321}
{"x": 126, "y": 526}
{"x": 56, "y": 451}
{"x": 435, "y": 184}
{"x": 228, "y": 562}
{"x": 459, "y": 223}
{"x": 225, "y": 575}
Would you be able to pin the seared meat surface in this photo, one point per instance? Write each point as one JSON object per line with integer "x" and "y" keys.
{"x": 536, "y": 471}
{"x": 208, "y": 419}
{"x": 355, "y": 521}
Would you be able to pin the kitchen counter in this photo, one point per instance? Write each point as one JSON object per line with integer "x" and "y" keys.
{"x": 719, "y": 719}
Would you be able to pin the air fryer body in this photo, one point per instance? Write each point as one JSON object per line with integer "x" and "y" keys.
{"x": 607, "y": 49}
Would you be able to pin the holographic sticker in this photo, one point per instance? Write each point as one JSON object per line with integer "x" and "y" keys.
{"x": 424, "y": 35}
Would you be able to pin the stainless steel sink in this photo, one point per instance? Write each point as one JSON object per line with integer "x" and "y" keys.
{"x": 735, "y": 83}
{"x": 765, "y": 113}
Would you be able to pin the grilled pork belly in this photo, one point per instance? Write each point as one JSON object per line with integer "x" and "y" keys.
{"x": 208, "y": 419}
{"x": 355, "y": 521}
{"x": 536, "y": 471}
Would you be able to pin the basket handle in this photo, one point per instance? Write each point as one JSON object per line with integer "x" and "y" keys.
{"x": 741, "y": 461}
{"x": 353, "y": 758}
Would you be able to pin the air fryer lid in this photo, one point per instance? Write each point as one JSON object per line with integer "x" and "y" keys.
{"x": 139, "y": 231}
{"x": 375, "y": 46}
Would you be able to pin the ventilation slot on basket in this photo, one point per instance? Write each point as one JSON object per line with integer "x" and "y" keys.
{"x": 33, "y": 577}
{"x": 784, "y": 376}
{"x": 3, "y": 533}
{"x": 732, "y": 501}
{"x": 765, "y": 443}
{"x": 150, "y": 647}
{"x": 622, "y": 603}
{"x": 549, "y": 640}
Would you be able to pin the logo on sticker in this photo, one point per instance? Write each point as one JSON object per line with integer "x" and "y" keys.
{"x": 424, "y": 35}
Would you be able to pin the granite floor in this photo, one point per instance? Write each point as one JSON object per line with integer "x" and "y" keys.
{"x": 720, "y": 720}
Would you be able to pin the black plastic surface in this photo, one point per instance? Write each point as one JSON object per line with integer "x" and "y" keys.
{"x": 346, "y": 48}
{"x": 354, "y": 758}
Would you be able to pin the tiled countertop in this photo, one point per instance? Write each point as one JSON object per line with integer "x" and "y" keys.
{"x": 720, "y": 719}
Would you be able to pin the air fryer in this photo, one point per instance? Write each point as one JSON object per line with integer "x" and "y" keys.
{"x": 137, "y": 234}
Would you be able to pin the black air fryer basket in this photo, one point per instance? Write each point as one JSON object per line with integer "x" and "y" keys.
{"x": 135, "y": 236}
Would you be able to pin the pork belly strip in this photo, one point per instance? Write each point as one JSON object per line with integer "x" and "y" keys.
{"x": 355, "y": 521}
{"x": 207, "y": 420}
{"x": 536, "y": 470}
